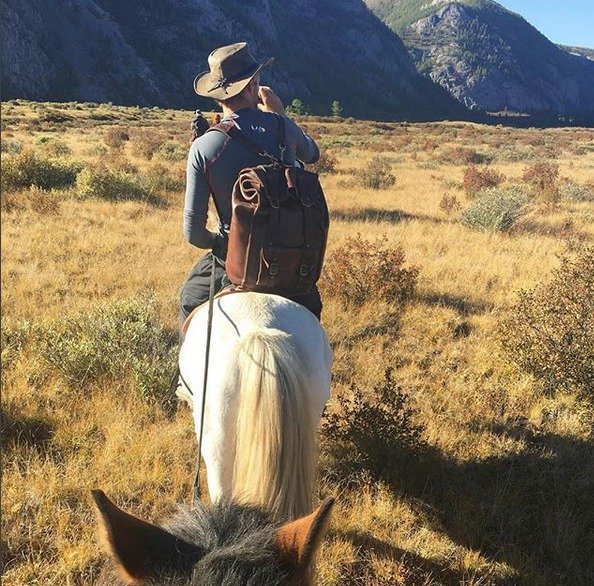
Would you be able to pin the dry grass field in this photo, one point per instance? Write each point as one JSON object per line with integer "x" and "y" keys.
{"x": 470, "y": 467}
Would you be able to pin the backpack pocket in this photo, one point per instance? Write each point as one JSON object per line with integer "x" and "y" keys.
{"x": 285, "y": 270}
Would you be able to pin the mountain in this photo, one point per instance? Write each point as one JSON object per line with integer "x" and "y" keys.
{"x": 491, "y": 59}
{"x": 579, "y": 51}
{"x": 147, "y": 52}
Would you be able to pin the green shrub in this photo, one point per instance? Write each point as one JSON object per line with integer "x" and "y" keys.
{"x": 360, "y": 270}
{"x": 115, "y": 340}
{"x": 374, "y": 431}
{"x": 13, "y": 338}
{"x": 576, "y": 192}
{"x": 377, "y": 174}
{"x": 171, "y": 150}
{"x": 28, "y": 169}
{"x": 159, "y": 179}
{"x": 496, "y": 209}
{"x": 549, "y": 332}
{"x": 102, "y": 183}
{"x": 11, "y": 147}
{"x": 56, "y": 148}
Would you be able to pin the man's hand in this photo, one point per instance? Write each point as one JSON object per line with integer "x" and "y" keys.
{"x": 269, "y": 101}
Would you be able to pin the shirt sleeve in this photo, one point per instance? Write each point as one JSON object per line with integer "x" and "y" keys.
{"x": 196, "y": 202}
{"x": 306, "y": 149}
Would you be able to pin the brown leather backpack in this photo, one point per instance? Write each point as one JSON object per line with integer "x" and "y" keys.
{"x": 279, "y": 224}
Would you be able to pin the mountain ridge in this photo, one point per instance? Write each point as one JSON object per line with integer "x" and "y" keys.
{"x": 147, "y": 52}
{"x": 490, "y": 58}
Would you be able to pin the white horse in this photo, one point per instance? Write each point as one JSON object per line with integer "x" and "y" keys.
{"x": 268, "y": 383}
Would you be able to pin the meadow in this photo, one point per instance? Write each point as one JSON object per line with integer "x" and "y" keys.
{"x": 458, "y": 299}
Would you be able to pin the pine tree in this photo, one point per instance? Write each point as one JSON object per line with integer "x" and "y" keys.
{"x": 296, "y": 107}
{"x": 336, "y": 109}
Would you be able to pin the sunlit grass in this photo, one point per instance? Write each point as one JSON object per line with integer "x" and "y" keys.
{"x": 495, "y": 500}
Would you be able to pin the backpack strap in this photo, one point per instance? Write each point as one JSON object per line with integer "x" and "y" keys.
{"x": 229, "y": 128}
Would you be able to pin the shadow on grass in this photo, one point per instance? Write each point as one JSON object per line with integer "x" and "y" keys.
{"x": 30, "y": 431}
{"x": 465, "y": 307}
{"x": 415, "y": 568}
{"x": 389, "y": 323}
{"x": 532, "y": 510}
{"x": 380, "y": 215}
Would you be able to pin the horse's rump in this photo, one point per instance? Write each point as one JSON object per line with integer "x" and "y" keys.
{"x": 268, "y": 381}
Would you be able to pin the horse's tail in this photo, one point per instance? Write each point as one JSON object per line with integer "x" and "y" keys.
{"x": 275, "y": 453}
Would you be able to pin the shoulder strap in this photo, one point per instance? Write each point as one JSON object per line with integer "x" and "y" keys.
{"x": 229, "y": 128}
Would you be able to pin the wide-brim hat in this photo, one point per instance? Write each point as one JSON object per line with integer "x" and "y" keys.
{"x": 231, "y": 69}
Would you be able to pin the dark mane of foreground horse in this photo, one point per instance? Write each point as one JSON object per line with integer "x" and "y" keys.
{"x": 223, "y": 545}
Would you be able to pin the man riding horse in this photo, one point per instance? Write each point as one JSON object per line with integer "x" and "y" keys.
{"x": 215, "y": 162}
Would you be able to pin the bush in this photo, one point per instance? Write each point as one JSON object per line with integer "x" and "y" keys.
{"x": 496, "y": 209}
{"x": 112, "y": 186}
{"x": 475, "y": 180}
{"x": 145, "y": 143}
{"x": 460, "y": 155}
{"x": 374, "y": 432}
{"x": 11, "y": 147}
{"x": 542, "y": 176}
{"x": 325, "y": 164}
{"x": 549, "y": 332}
{"x": 361, "y": 270}
{"x": 172, "y": 151}
{"x": 543, "y": 179}
{"x": 113, "y": 340}
{"x": 115, "y": 137}
{"x": 449, "y": 204}
{"x": 57, "y": 148}
{"x": 158, "y": 178}
{"x": 377, "y": 174}
{"x": 576, "y": 192}
{"x": 54, "y": 117}
{"x": 35, "y": 199}
{"x": 27, "y": 169}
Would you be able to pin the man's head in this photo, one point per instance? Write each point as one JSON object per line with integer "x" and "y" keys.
{"x": 247, "y": 98}
{"x": 233, "y": 71}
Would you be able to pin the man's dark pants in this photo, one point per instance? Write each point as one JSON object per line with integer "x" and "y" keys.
{"x": 195, "y": 290}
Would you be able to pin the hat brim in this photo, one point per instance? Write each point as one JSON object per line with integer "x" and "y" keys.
{"x": 204, "y": 83}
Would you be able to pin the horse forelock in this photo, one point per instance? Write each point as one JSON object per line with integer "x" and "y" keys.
{"x": 237, "y": 548}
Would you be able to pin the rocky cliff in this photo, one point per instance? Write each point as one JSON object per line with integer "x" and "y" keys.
{"x": 489, "y": 58}
{"x": 147, "y": 52}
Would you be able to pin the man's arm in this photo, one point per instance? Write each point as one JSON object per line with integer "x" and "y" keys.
{"x": 306, "y": 149}
{"x": 196, "y": 203}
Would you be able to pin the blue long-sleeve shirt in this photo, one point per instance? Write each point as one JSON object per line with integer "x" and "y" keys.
{"x": 215, "y": 160}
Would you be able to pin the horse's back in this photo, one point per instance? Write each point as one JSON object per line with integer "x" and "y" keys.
{"x": 238, "y": 314}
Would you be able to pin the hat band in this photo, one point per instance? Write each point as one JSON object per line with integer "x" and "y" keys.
{"x": 223, "y": 82}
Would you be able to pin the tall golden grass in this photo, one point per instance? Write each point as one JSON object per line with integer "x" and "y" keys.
{"x": 502, "y": 491}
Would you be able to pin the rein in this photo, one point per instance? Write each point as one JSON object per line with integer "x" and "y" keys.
{"x": 211, "y": 296}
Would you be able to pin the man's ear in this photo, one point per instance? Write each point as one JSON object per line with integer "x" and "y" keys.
{"x": 299, "y": 540}
{"x": 140, "y": 550}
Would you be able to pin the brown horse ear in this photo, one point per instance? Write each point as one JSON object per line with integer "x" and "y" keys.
{"x": 141, "y": 550}
{"x": 299, "y": 540}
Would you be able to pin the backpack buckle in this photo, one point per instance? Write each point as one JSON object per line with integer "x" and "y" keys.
{"x": 303, "y": 270}
{"x": 273, "y": 269}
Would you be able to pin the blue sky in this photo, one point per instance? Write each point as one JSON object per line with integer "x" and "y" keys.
{"x": 569, "y": 22}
